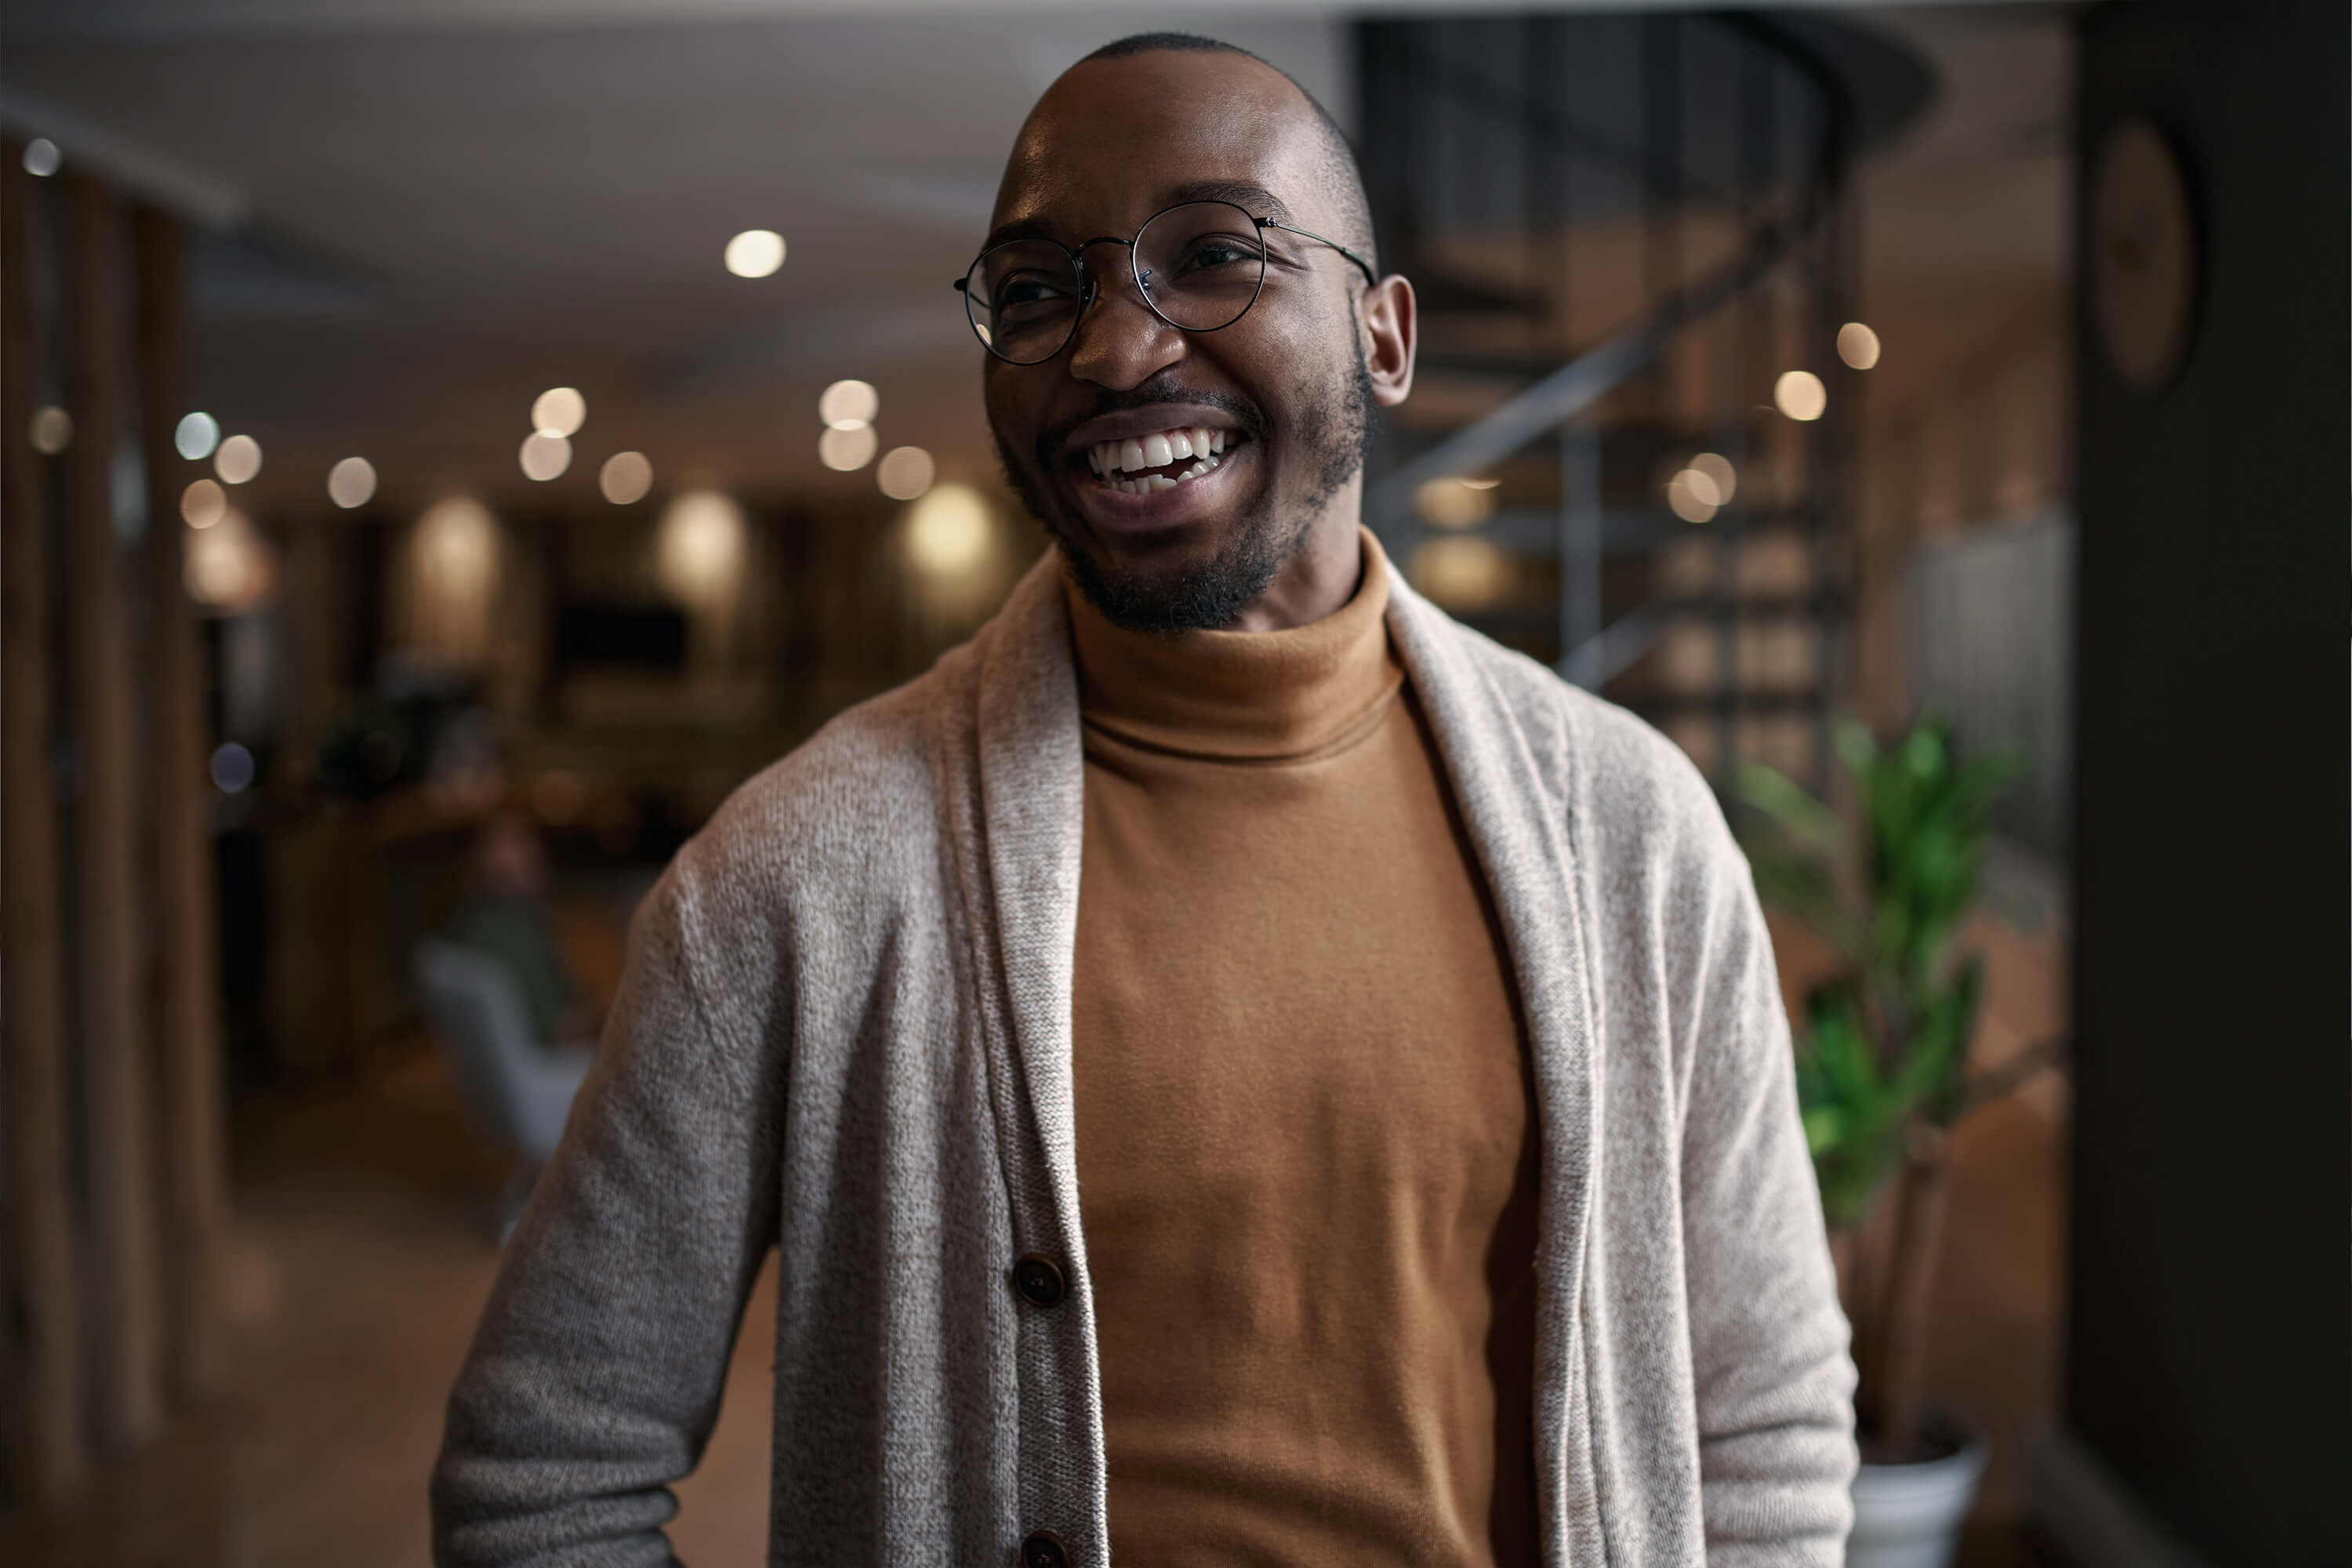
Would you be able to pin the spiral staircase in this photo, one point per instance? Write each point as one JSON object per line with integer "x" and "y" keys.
{"x": 1625, "y": 233}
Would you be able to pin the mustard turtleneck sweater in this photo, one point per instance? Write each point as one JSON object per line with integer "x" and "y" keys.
{"x": 1306, "y": 1157}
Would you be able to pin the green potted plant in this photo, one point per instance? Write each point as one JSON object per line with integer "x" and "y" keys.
{"x": 1883, "y": 1078}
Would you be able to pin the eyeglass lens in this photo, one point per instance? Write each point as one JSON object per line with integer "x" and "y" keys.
{"x": 1200, "y": 266}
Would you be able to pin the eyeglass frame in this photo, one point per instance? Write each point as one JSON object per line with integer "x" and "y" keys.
{"x": 1090, "y": 282}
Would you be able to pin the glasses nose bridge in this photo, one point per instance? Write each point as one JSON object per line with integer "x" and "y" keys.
{"x": 1090, "y": 279}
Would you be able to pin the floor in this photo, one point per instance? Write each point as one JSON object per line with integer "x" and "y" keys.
{"x": 366, "y": 1251}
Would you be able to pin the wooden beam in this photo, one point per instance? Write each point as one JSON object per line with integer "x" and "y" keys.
{"x": 184, "y": 1013}
{"x": 126, "y": 1309}
{"x": 50, "y": 1438}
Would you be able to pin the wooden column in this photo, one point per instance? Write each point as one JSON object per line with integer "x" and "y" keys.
{"x": 125, "y": 1317}
{"x": 43, "y": 1264}
{"x": 184, "y": 1011}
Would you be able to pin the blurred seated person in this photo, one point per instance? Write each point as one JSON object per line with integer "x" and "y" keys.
{"x": 507, "y": 918}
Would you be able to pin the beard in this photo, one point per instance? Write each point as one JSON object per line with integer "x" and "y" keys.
{"x": 1332, "y": 429}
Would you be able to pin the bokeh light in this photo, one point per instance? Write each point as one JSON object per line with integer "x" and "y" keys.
{"x": 625, "y": 478}
{"x": 51, "y": 431}
{"x": 1455, "y": 503}
{"x": 846, "y": 446}
{"x": 559, "y": 411}
{"x": 202, "y": 503}
{"x": 1799, "y": 394}
{"x": 232, "y": 768}
{"x": 702, "y": 546}
{"x": 755, "y": 252}
{"x": 905, "y": 472}
{"x": 1720, "y": 473}
{"x": 543, "y": 457}
{"x": 1857, "y": 345}
{"x": 196, "y": 436}
{"x": 948, "y": 531}
{"x": 41, "y": 157}
{"x": 352, "y": 482}
{"x": 238, "y": 460}
{"x": 228, "y": 566}
{"x": 846, "y": 405}
{"x": 1690, "y": 495}
{"x": 1461, "y": 573}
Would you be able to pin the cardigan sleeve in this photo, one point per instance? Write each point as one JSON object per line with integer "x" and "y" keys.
{"x": 1773, "y": 1378}
{"x": 594, "y": 1378}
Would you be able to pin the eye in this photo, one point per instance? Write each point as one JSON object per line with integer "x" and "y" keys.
{"x": 1029, "y": 289}
{"x": 1212, "y": 251}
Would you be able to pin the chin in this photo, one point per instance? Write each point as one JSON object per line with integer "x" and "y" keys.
{"x": 1199, "y": 576}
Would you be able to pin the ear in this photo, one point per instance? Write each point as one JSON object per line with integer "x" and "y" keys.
{"x": 1390, "y": 328}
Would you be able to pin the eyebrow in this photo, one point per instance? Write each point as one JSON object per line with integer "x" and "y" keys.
{"x": 1255, "y": 199}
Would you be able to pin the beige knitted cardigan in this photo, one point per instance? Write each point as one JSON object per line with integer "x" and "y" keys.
{"x": 845, "y": 1035}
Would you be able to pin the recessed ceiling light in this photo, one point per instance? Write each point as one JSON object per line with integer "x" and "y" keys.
{"x": 846, "y": 446}
{"x": 559, "y": 411}
{"x": 1857, "y": 345}
{"x": 352, "y": 482}
{"x": 202, "y": 503}
{"x": 1718, "y": 469}
{"x": 196, "y": 436}
{"x": 237, "y": 459}
{"x": 755, "y": 252}
{"x": 625, "y": 478}
{"x": 848, "y": 403}
{"x": 905, "y": 472}
{"x": 544, "y": 456}
{"x": 1799, "y": 394}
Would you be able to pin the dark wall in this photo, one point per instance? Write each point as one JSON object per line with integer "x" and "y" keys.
{"x": 2207, "y": 1350}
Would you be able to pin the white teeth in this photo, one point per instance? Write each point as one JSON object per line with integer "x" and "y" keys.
{"x": 1108, "y": 459}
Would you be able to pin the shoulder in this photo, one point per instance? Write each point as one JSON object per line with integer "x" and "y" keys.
{"x": 1633, "y": 799}
{"x": 858, "y": 808}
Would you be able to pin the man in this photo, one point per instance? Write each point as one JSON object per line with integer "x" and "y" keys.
{"x": 1236, "y": 1066}
{"x": 507, "y": 919}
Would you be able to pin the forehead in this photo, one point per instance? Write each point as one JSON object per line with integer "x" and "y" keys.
{"x": 1114, "y": 141}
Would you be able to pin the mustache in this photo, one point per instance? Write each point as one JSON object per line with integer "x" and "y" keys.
{"x": 1161, "y": 388}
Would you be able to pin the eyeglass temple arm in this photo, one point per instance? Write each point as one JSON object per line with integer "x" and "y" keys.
{"x": 1362, "y": 266}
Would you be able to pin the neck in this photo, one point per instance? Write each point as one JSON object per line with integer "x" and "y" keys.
{"x": 1319, "y": 578}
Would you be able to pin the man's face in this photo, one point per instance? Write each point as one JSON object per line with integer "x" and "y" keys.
{"x": 1284, "y": 393}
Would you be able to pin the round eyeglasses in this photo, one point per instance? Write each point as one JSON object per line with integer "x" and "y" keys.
{"x": 1199, "y": 266}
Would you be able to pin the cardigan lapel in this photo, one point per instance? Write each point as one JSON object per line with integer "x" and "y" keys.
{"x": 1033, "y": 806}
{"x": 1513, "y": 791}
{"x": 1031, "y": 813}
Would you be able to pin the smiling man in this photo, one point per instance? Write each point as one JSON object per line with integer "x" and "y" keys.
{"x": 1236, "y": 1068}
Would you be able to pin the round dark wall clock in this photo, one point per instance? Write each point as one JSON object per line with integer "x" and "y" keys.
{"x": 2143, "y": 242}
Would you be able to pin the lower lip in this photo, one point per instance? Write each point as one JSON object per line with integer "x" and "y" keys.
{"x": 1123, "y": 511}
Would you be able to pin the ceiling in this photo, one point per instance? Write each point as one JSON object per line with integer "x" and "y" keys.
{"x": 421, "y": 212}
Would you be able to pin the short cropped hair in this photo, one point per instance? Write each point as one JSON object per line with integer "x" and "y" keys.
{"x": 1346, "y": 177}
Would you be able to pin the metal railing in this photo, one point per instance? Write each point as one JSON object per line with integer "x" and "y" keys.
{"x": 1802, "y": 227}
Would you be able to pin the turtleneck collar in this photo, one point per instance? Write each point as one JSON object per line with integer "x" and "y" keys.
{"x": 1259, "y": 696}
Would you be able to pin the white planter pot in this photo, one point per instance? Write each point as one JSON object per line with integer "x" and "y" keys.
{"x": 1909, "y": 1516}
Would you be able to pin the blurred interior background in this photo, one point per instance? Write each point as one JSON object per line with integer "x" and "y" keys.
{"x": 449, "y": 446}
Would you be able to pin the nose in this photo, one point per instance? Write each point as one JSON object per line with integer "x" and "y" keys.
{"x": 1119, "y": 342}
